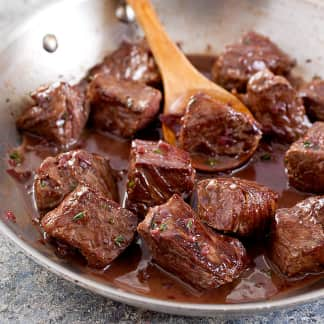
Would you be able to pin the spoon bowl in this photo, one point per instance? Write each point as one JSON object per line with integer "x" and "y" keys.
{"x": 181, "y": 81}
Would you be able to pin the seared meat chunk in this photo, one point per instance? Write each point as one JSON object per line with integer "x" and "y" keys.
{"x": 88, "y": 221}
{"x": 305, "y": 161}
{"x": 58, "y": 114}
{"x": 297, "y": 238}
{"x": 156, "y": 171}
{"x": 122, "y": 107}
{"x": 276, "y": 105}
{"x": 313, "y": 98}
{"x": 58, "y": 176}
{"x": 131, "y": 61}
{"x": 254, "y": 52}
{"x": 236, "y": 205}
{"x": 211, "y": 128}
{"x": 182, "y": 245}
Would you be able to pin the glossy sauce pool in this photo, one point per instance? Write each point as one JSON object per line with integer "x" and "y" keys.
{"x": 134, "y": 272}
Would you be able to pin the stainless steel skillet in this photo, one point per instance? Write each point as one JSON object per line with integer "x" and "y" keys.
{"x": 86, "y": 30}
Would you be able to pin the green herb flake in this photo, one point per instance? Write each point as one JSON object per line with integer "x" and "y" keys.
{"x": 65, "y": 116}
{"x": 111, "y": 221}
{"x": 131, "y": 184}
{"x": 14, "y": 155}
{"x": 157, "y": 151}
{"x": 189, "y": 224}
{"x": 119, "y": 240}
{"x": 163, "y": 227}
{"x": 73, "y": 185}
{"x": 105, "y": 205}
{"x": 43, "y": 183}
{"x": 266, "y": 157}
{"x": 307, "y": 144}
{"x": 267, "y": 271}
{"x": 78, "y": 216}
{"x": 211, "y": 162}
{"x": 153, "y": 225}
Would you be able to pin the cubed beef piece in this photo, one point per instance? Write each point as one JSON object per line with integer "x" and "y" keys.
{"x": 305, "y": 161}
{"x": 236, "y": 205}
{"x": 254, "y": 52}
{"x": 313, "y": 98}
{"x": 131, "y": 61}
{"x": 122, "y": 107}
{"x": 212, "y": 129}
{"x": 276, "y": 105}
{"x": 297, "y": 238}
{"x": 92, "y": 224}
{"x": 182, "y": 245}
{"x": 58, "y": 176}
{"x": 156, "y": 171}
{"x": 58, "y": 114}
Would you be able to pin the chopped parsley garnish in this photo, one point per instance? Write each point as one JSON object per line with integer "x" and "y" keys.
{"x": 73, "y": 185}
{"x": 65, "y": 116}
{"x": 157, "y": 151}
{"x": 267, "y": 271}
{"x": 307, "y": 144}
{"x": 78, "y": 216}
{"x": 266, "y": 157}
{"x": 163, "y": 227}
{"x": 43, "y": 183}
{"x": 119, "y": 240}
{"x": 189, "y": 224}
{"x": 131, "y": 184}
{"x": 111, "y": 221}
{"x": 153, "y": 226}
{"x": 15, "y": 156}
{"x": 105, "y": 205}
{"x": 211, "y": 162}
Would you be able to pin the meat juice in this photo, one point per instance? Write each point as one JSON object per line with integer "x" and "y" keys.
{"x": 134, "y": 272}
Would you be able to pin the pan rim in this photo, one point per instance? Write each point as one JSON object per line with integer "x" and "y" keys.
{"x": 154, "y": 304}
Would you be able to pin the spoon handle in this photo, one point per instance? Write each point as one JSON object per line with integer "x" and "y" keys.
{"x": 177, "y": 72}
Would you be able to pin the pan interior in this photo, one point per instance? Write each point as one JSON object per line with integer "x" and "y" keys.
{"x": 86, "y": 30}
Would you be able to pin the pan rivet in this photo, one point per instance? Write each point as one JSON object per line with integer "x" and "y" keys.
{"x": 125, "y": 13}
{"x": 50, "y": 43}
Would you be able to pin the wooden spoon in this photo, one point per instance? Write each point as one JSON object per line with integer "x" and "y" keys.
{"x": 181, "y": 81}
